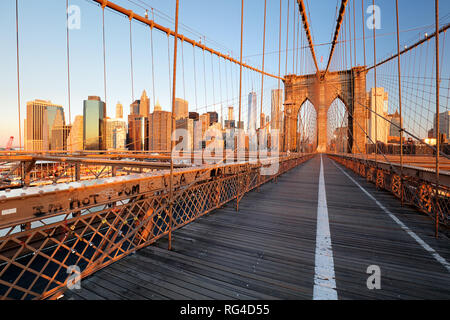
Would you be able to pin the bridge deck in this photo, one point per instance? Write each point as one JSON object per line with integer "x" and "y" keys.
{"x": 267, "y": 249}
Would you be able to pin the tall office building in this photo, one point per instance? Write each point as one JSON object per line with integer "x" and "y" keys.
{"x": 119, "y": 111}
{"x": 252, "y": 112}
{"x": 94, "y": 114}
{"x": 159, "y": 130}
{"x": 262, "y": 120}
{"x": 375, "y": 121}
{"x": 39, "y": 122}
{"x": 60, "y": 135}
{"x": 75, "y": 139}
{"x": 181, "y": 109}
{"x": 230, "y": 113}
{"x": 135, "y": 108}
{"x": 213, "y": 117}
{"x": 144, "y": 108}
{"x": 137, "y": 132}
{"x": 276, "y": 104}
{"x": 157, "y": 106}
{"x": 394, "y": 126}
{"x": 116, "y": 134}
{"x": 444, "y": 124}
{"x": 194, "y": 116}
{"x": 188, "y": 125}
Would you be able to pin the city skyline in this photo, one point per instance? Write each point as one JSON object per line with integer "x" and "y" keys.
{"x": 82, "y": 87}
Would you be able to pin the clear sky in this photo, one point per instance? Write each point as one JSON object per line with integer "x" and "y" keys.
{"x": 43, "y": 64}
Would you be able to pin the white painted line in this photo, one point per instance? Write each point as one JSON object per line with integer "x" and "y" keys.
{"x": 324, "y": 278}
{"x": 424, "y": 245}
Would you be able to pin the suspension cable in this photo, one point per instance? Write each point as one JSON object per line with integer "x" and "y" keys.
{"x": 195, "y": 79}
{"x": 153, "y": 64}
{"x": 287, "y": 31}
{"x": 375, "y": 79}
{"x": 263, "y": 57}
{"x": 68, "y": 58}
{"x": 104, "y": 50}
{"x": 131, "y": 57}
{"x": 364, "y": 32}
{"x": 240, "y": 64}
{"x": 18, "y": 73}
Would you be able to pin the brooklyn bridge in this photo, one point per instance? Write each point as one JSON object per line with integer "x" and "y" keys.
{"x": 334, "y": 185}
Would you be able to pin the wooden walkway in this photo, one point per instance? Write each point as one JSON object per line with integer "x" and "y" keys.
{"x": 267, "y": 249}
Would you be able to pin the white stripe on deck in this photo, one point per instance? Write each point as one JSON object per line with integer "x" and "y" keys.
{"x": 424, "y": 245}
{"x": 324, "y": 278}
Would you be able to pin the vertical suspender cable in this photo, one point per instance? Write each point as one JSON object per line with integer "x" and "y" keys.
{"x": 364, "y": 31}
{"x": 400, "y": 102}
{"x": 263, "y": 57}
{"x": 168, "y": 58}
{"x": 173, "y": 123}
{"x": 220, "y": 95}
{"x": 213, "y": 85}
{"x": 354, "y": 31}
{"x": 297, "y": 47}
{"x": 104, "y": 50}
{"x": 153, "y": 64}
{"x": 131, "y": 58}
{"x": 204, "y": 78}
{"x": 293, "y": 40}
{"x": 438, "y": 138}
{"x": 195, "y": 80}
{"x": 287, "y": 31}
{"x": 18, "y": 72}
{"x": 240, "y": 64}
{"x": 375, "y": 81}
{"x": 279, "y": 58}
{"x": 182, "y": 65}
{"x": 68, "y": 58}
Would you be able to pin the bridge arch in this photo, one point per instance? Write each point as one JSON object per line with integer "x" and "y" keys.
{"x": 306, "y": 127}
{"x": 349, "y": 86}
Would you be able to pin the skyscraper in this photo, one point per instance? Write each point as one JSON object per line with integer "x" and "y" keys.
{"x": 181, "y": 109}
{"x": 252, "y": 111}
{"x": 119, "y": 111}
{"x": 213, "y": 117}
{"x": 276, "y": 104}
{"x": 94, "y": 113}
{"x": 75, "y": 139}
{"x": 375, "y": 119}
{"x": 60, "y": 134}
{"x": 159, "y": 130}
{"x": 444, "y": 124}
{"x": 116, "y": 134}
{"x": 137, "y": 132}
{"x": 40, "y": 120}
{"x": 144, "y": 105}
{"x": 135, "y": 107}
{"x": 157, "y": 106}
{"x": 230, "y": 113}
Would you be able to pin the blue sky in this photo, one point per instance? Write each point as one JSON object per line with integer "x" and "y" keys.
{"x": 43, "y": 50}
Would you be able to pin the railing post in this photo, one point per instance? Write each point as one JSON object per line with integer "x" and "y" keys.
{"x": 173, "y": 123}
{"x": 400, "y": 103}
{"x": 436, "y": 209}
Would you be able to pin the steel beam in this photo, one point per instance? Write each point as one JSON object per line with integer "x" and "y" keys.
{"x": 301, "y": 6}
{"x": 336, "y": 33}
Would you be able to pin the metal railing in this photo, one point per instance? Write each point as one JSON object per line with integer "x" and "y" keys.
{"x": 42, "y": 239}
{"x": 415, "y": 187}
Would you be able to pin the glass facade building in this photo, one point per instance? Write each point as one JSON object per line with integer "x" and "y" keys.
{"x": 94, "y": 130}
